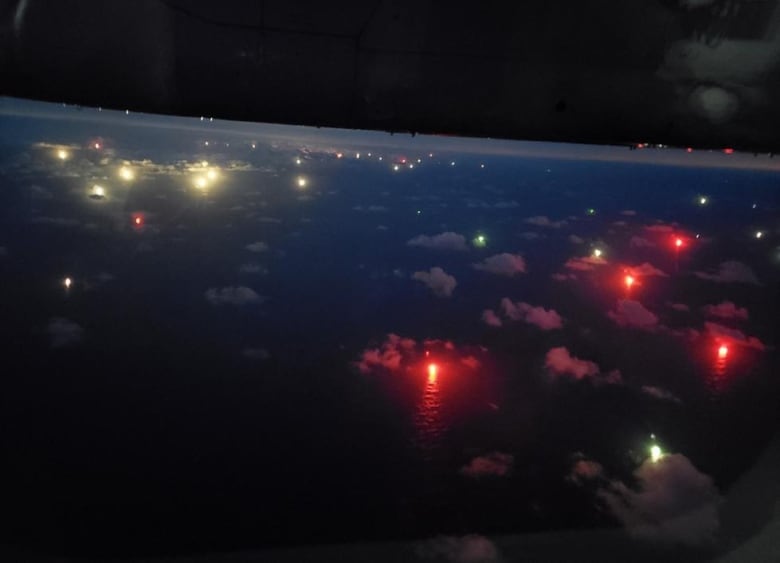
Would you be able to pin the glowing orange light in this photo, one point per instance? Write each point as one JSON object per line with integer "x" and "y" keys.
{"x": 138, "y": 220}
{"x": 723, "y": 351}
{"x": 629, "y": 281}
{"x": 433, "y": 371}
{"x": 678, "y": 242}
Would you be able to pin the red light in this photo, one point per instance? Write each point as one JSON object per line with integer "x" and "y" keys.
{"x": 138, "y": 220}
{"x": 433, "y": 371}
{"x": 689, "y": 149}
{"x": 427, "y": 353}
{"x": 723, "y": 351}
{"x": 678, "y": 242}
{"x": 629, "y": 281}
{"x": 728, "y": 151}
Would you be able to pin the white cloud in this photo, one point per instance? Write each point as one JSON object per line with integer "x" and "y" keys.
{"x": 257, "y": 247}
{"x": 731, "y": 271}
{"x": 495, "y": 464}
{"x": 545, "y": 319}
{"x": 671, "y": 502}
{"x": 63, "y": 332}
{"x": 503, "y": 264}
{"x": 442, "y": 241}
{"x": 490, "y": 318}
{"x": 440, "y": 282}
{"x": 544, "y": 221}
{"x": 232, "y": 295}
{"x": 634, "y": 314}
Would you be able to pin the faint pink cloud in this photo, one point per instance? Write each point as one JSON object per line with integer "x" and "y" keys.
{"x": 731, "y": 271}
{"x": 720, "y": 332}
{"x": 585, "y": 470}
{"x": 576, "y": 240}
{"x": 665, "y": 229}
{"x": 646, "y": 269}
{"x": 680, "y": 307}
{"x": 495, "y": 464}
{"x": 388, "y": 356}
{"x": 503, "y": 264}
{"x": 470, "y": 362}
{"x": 490, "y": 318}
{"x": 633, "y": 314}
{"x": 641, "y": 242}
{"x": 560, "y": 362}
{"x": 545, "y": 319}
{"x": 584, "y": 263}
{"x": 726, "y": 310}
{"x": 544, "y": 221}
{"x": 440, "y": 282}
{"x": 628, "y": 212}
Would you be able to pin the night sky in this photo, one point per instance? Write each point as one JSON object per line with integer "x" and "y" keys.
{"x": 225, "y": 336}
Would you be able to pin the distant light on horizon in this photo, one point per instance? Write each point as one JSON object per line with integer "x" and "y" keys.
{"x": 98, "y": 192}
{"x": 590, "y": 211}
{"x": 211, "y": 174}
{"x": 62, "y": 154}
{"x": 396, "y": 168}
{"x": 201, "y": 182}
{"x": 339, "y": 155}
{"x": 759, "y": 234}
{"x": 703, "y": 200}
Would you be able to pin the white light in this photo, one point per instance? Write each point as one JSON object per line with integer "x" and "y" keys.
{"x": 396, "y": 167}
{"x": 201, "y": 182}
{"x": 419, "y": 161}
{"x": 126, "y": 173}
{"x": 127, "y": 112}
{"x": 481, "y": 165}
{"x": 301, "y": 182}
{"x": 201, "y": 118}
{"x": 702, "y": 200}
{"x": 380, "y": 158}
{"x": 207, "y": 143}
{"x": 357, "y": 155}
{"x": 597, "y": 252}
{"x": 452, "y": 163}
{"x": 98, "y": 191}
{"x": 204, "y": 163}
{"x": 68, "y": 282}
{"x": 254, "y": 145}
{"x": 211, "y": 174}
{"x": 297, "y": 161}
{"x": 411, "y": 165}
{"x": 62, "y": 154}
{"x": 759, "y": 234}
{"x": 369, "y": 155}
{"x": 655, "y": 453}
{"x": 754, "y": 206}
{"x": 97, "y": 146}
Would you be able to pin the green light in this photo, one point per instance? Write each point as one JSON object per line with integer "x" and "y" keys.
{"x": 655, "y": 453}
{"x": 591, "y": 211}
{"x": 480, "y": 241}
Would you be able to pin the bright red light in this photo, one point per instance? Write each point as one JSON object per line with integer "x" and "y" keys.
{"x": 629, "y": 281}
{"x": 138, "y": 220}
{"x": 678, "y": 242}
{"x": 433, "y": 371}
{"x": 689, "y": 149}
{"x": 723, "y": 351}
{"x": 728, "y": 151}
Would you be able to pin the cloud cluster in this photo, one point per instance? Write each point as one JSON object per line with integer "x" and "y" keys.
{"x": 503, "y": 264}
{"x": 388, "y": 356}
{"x": 630, "y": 313}
{"x": 545, "y": 319}
{"x": 490, "y": 318}
{"x": 232, "y": 295}
{"x": 442, "y": 241}
{"x": 733, "y": 336}
{"x": 726, "y": 310}
{"x": 63, "y": 332}
{"x": 730, "y": 271}
{"x": 544, "y": 221}
{"x": 660, "y": 393}
{"x": 495, "y": 464}
{"x": 646, "y": 269}
{"x": 670, "y": 501}
{"x": 438, "y": 281}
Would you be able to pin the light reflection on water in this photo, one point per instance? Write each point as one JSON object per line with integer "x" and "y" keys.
{"x": 428, "y": 418}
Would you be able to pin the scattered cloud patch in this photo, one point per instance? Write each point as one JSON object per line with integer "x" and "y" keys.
{"x": 490, "y": 318}
{"x": 730, "y": 335}
{"x": 504, "y": 264}
{"x": 662, "y": 229}
{"x": 252, "y": 268}
{"x": 726, "y": 310}
{"x": 470, "y": 362}
{"x": 574, "y": 239}
{"x": 545, "y": 319}
{"x": 495, "y": 464}
{"x": 646, "y": 269}
{"x": 628, "y": 212}
{"x": 544, "y": 221}
{"x": 443, "y": 241}
{"x": 680, "y": 307}
{"x": 584, "y": 263}
{"x": 730, "y": 271}
{"x": 257, "y": 247}
{"x": 641, "y": 242}
{"x": 467, "y": 549}
{"x": 631, "y": 313}
{"x": 560, "y": 362}
{"x": 440, "y": 282}
{"x": 660, "y": 393}
{"x": 63, "y": 332}
{"x": 585, "y": 470}
{"x": 232, "y": 295}
{"x": 530, "y": 235}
